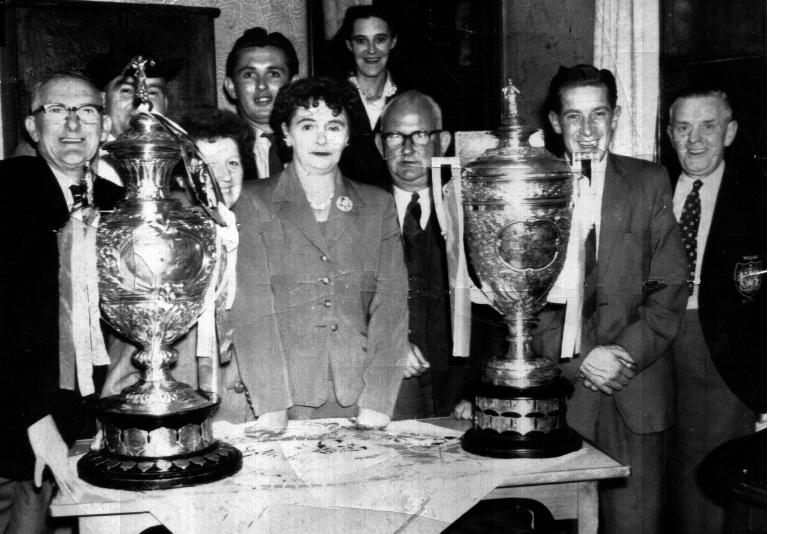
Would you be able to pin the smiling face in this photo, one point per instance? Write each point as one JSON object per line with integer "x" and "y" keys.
{"x": 67, "y": 144}
{"x": 586, "y": 121}
{"x": 317, "y": 137}
{"x": 408, "y": 163}
{"x": 370, "y": 43}
{"x": 259, "y": 74}
{"x": 700, "y": 131}
{"x": 120, "y": 100}
{"x": 222, "y": 155}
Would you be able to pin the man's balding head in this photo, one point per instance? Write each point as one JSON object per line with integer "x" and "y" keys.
{"x": 411, "y": 134}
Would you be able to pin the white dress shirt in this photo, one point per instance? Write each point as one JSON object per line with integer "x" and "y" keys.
{"x": 65, "y": 182}
{"x": 708, "y": 194}
{"x": 261, "y": 148}
{"x": 403, "y": 197}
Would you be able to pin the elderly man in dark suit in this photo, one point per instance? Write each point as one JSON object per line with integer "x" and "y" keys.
{"x": 721, "y": 347}
{"x": 621, "y": 320}
{"x": 42, "y": 341}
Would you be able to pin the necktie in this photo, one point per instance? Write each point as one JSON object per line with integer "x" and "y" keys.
{"x": 79, "y": 194}
{"x": 590, "y": 257}
{"x": 275, "y": 165}
{"x": 688, "y": 227}
{"x": 411, "y": 222}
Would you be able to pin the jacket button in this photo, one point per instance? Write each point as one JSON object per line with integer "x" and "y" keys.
{"x": 239, "y": 387}
{"x": 328, "y": 303}
{"x": 333, "y": 327}
{"x": 324, "y": 258}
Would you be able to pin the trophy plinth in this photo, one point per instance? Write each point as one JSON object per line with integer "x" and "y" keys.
{"x": 517, "y": 212}
{"x": 157, "y": 263}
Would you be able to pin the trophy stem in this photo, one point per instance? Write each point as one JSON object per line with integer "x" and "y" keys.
{"x": 519, "y": 338}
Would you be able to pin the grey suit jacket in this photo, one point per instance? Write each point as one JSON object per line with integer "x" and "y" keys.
{"x": 313, "y": 305}
{"x": 641, "y": 297}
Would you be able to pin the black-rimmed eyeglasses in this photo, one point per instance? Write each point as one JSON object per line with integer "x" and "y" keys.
{"x": 417, "y": 138}
{"x": 58, "y": 113}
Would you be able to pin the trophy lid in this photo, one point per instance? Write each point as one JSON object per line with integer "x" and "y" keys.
{"x": 514, "y": 156}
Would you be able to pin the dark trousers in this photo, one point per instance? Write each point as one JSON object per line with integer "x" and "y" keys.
{"x": 633, "y": 505}
{"x": 707, "y": 415}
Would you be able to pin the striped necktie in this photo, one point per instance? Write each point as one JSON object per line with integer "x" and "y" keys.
{"x": 79, "y": 193}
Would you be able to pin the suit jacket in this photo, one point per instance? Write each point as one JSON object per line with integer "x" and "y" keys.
{"x": 32, "y": 210}
{"x": 641, "y": 297}
{"x": 732, "y": 296}
{"x": 313, "y": 303}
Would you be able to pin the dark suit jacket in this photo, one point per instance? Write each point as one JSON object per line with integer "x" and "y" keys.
{"x": 641, "y": 297}
{"x": 32, "y": 210}
{"x": 732, "y": 314}
{"x": 312, "y": 303}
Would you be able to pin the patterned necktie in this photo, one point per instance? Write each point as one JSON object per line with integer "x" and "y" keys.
{"x": 590, "y": 258}
{"x": 688, "y": 226}
{"x": 411, "y": 222}
{"x": 79, "y": 194}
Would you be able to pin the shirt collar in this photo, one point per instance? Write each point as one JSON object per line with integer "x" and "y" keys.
{"x": 714, "y": 178}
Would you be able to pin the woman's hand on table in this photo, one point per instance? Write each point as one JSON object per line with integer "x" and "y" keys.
{"x": 370, "y": 419}
{"x": 269, "y": 424}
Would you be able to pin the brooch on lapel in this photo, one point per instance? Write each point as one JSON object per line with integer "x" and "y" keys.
{"x": 749, "y": 276}
{"x": 344, "y": 203}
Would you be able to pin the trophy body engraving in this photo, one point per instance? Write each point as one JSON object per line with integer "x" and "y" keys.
{"x": 157, "y": 261}
{"x": 517, "y": 217}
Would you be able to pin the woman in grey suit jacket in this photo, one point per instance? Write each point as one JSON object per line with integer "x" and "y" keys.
{"x": 320, "y": 317}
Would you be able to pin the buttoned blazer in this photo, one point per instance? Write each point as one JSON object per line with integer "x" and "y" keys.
{"x": 310, "y": 303}
{"x": 733, "y": 320}
{"x": 641, "y": 297}
{"x": 32, "y": 210}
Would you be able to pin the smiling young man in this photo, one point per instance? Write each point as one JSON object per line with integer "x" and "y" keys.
{"x": 258, "y": 66}
{"x": 41, "y": 413}
{"x": 630, "y": 306}
{"x": 720, "y": 350}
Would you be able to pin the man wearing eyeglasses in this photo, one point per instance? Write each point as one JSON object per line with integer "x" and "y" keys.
{"x": 41, "y": 198}
{"x": 411, "y": 135}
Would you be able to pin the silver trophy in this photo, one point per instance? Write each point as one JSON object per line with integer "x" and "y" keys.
{"x": 517, "y": 215}
{"x": 158, "y": 261}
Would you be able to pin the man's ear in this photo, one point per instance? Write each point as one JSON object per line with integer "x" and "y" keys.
{"x": 348, "y": 44}
{"x": 615, "y": 117}
{"x": 444, "y": 141}
{"x": 228, "y": 86}
{"x": 393, "y": 42}
{"x": 553, "y": 120}
{"x": 379, "y": 144}
{"x": 732, "y": 130}
{"x": 294, "y": 78}
{"x": 31, "y": 128}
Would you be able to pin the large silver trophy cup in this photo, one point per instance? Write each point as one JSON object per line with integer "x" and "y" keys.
{"x": 157, "y": 261}
{"x": 517, "y": 215}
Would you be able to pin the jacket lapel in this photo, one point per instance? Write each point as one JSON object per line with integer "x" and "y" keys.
{"x": 343, "y": 224}
{"x": 290, "y": 202}
{"x": 616, "y": 192}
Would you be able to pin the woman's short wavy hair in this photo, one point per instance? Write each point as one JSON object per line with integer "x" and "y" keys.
{"x": 307, "y": 93}
{"x": 209, "y": 124}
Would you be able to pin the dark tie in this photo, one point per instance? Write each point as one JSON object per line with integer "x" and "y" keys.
{"x": 79, "y": 194}
{"x": 590, "y": 258}
{"x": 688, "y": 226}
{"x": 411, "y": 223}
{"x": 275, "y": 165}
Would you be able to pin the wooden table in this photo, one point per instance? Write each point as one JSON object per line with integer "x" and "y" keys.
{"x": 568, "y": 489}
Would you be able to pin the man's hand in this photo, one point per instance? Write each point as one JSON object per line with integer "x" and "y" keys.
{"x": 607, "y": 368}
{"x": 415, "y": 363}
{"x": 52, "y": 451}
{"x": 269, "y": 424}
{"x": 370, "y": 419}
{"x": 463, "y": 410}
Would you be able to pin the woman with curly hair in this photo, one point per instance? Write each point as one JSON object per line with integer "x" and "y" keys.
{"x": 321, "y": 303}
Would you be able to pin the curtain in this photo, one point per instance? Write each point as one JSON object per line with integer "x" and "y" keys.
{"x": 626, "y": 41}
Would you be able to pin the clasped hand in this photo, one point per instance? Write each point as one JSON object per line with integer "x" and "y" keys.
{"x": 607, "y": 368}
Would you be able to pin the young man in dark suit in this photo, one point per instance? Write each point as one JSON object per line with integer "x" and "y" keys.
{"x": 629, "y": 306}
{"x": 41, "y": 340}
{"x": 721, "y": 347}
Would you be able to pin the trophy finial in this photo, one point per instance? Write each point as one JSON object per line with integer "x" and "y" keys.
{"x": 509, "y": 113}
{"x": 139, "y": 64}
